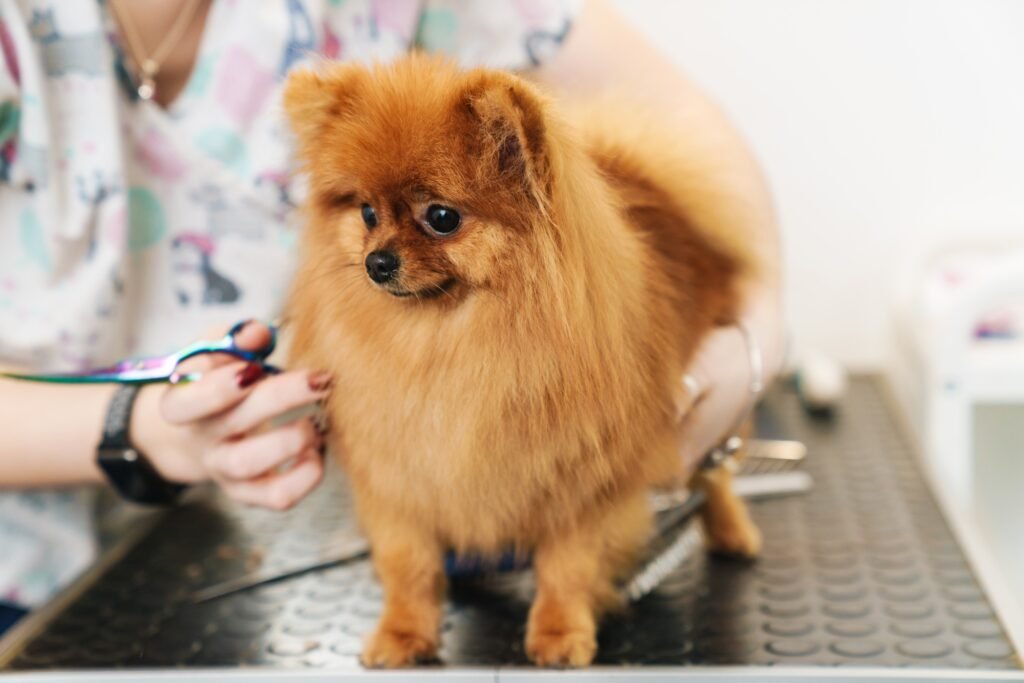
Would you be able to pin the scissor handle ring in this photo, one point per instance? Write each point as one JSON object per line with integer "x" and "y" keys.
{"x": 266, "y": 350}
{"x": 228, "y": 346}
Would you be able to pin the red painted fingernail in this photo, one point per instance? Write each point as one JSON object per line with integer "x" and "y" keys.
{"x": 249, "y": 375}
{"x": 320, "y": 380}
{"x": 320, "y": 424}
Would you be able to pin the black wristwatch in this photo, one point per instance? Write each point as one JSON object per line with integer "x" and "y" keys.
{"x": 126, "y": 467}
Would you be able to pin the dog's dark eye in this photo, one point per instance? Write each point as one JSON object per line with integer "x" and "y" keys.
{"x": 369, "y": 216}
{"x": 442, "y": 220}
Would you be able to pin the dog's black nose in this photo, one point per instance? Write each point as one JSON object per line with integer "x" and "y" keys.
{"x": 381, "y": 266}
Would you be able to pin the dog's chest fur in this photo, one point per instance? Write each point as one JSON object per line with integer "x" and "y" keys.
{"x": 452, "y": 441}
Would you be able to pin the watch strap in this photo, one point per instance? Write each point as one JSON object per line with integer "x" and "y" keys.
{"x": 126, "y": 467}
{"x": 117, "y": 423}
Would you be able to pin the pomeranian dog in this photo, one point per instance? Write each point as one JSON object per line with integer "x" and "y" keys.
{"x": 507, "y": 294}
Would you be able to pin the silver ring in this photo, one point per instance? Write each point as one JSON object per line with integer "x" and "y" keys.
{"x": 692, "y": 386}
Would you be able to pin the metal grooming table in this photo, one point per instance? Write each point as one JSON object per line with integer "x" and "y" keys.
{"x": 860, "y": 578}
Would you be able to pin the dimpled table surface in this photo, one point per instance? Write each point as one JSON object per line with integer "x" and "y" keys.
{"x": 860, "y": 572}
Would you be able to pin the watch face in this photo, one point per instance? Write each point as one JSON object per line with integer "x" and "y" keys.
{"x": 134, "y": 478}
{"x": 119, "y": 464}
{"x": 114, "y": 455}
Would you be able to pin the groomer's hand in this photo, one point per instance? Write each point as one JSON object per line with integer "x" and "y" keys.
{"x": 720, "y": 392}
{"x": 217, "y": 427}
{"x": 717, "y": 396}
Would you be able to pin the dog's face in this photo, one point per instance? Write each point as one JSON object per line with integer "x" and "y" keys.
{"x": 424, "y": 180}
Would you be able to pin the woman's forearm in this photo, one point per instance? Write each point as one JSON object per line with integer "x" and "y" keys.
{"x": 49, "y": 433}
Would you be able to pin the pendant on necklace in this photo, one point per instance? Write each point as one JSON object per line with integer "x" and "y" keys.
{"x": 146, "y": 90}
{"x": 147, "y": 83}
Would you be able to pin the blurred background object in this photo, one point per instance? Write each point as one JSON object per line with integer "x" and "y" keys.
{"x": 957, "y": 370}
{"x": 820, "y": 382}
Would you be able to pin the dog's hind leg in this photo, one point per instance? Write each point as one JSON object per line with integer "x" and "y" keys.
{"x": 728, "y": 526}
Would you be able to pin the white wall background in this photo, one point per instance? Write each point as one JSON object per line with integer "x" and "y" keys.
{"x": 884, "y": 126}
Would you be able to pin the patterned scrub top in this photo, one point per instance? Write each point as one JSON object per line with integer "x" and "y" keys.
{"x": 129, "y": 229}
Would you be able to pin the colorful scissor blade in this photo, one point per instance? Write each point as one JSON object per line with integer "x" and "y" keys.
{"x": 159, "y": 368}
{"x": 138, "y": 371}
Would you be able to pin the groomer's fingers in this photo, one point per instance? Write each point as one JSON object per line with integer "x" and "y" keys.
{"x": 274, "y": 396}
{"x": 257, "y": 455}
{"x": 218, "y": 390}
{"x": 711, "y": 420}
{"x": 697, "y": 435}
{"x": 281, "y": 491}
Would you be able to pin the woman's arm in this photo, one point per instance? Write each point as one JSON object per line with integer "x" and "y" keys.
{"x": 215, "y": 429}
{"x": 49, "y": 433}
{"x": 603, "y": 53}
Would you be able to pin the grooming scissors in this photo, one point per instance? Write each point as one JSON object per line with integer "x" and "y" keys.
{"x": 160, "y": 368}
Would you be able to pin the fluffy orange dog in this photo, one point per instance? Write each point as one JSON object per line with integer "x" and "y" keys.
{"x": 507, "y": 296}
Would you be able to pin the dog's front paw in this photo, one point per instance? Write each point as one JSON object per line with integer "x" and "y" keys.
{"x": 391, "y": 648}
{"x": 560, "y": 648}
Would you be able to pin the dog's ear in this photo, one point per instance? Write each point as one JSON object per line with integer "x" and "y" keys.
{"x": 508, "y": 131}
{"x": 315, "y": 97}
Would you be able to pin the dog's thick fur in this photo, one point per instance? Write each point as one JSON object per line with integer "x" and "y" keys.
{"x": 525, "y": 394}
